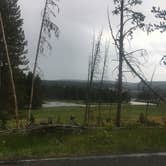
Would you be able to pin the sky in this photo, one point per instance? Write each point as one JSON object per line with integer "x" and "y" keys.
{"x": 78, "y": 20}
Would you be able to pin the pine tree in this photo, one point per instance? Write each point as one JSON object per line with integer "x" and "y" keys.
{"x": 11, "y": 15}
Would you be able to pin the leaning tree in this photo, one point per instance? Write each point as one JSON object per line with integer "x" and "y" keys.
{"x": 47, "y": 29}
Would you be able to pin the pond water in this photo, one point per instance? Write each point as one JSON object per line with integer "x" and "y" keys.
{"x": 60, "y": 104}
{"x": 139, "y": 103}
{"x": 51, "y": 104}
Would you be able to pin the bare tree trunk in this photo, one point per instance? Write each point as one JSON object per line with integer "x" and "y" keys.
{"x": 121, "y": 52}
{"x": 92, "y": 69}
{"x": 101, "y": 82}
{"x": 86, "y": 118}
{"x": 11, "y": 73}
{"x": 149, "y": 94}
{"x": 35, "y": 65}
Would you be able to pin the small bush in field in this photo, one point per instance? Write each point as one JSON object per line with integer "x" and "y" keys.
{"x": 142, "y": 118}
{"x": 32, "y": 119}
{"x": 58, "y": 121}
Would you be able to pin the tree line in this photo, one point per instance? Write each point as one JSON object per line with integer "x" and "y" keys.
{"x": 60, "y": 92}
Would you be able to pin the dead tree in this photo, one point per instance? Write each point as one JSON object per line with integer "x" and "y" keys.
{"x": 47, "y": 28}
{"x": 130, "y": 20}
{"x": 149, "y": 94}
{"x": 86, "y": 116}
{"x": 10, "y": 72}
{"x": 92, "y": 69}
{"x": 102, "y": 80}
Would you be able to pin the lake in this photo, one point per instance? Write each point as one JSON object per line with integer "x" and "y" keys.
{"x": 51, "y": 104}
{"x": 140, "y": 103}
{"x": 60, "y": 104}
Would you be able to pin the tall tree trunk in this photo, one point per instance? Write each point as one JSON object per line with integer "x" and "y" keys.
{"x": 10, "y": 72}
{"x": 149, "y": 94}
{"x": 121, "y": 52}
{"x": 35, "y": 65}
{"x": 101, "y": 83}
{"x": 86, "y": 117}
{"x": 91, "y": 73}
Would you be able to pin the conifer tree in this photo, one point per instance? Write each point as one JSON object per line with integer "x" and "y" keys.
{"x": 15, "y": 38}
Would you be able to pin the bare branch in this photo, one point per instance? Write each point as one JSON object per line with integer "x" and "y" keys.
{"x": 135, "y": 51}
{"x": 111, "y": 30}
{"x": 138, "y": 75}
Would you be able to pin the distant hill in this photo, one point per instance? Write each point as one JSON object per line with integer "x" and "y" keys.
{"x": 133, "y": 88}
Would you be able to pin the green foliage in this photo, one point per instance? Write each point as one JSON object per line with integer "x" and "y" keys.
{"x": 79, "y": 92}
{"x": 59, "y": 121}
{"x": 32, "y": 119}
{"x": 109, "y": 127}
{"x": 132, "y": 125}
{"x": 4, "y": 117}
{"x": 11, "y": 15}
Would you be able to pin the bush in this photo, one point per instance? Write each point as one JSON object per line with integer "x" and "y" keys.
{"x": 58, "y": 121}
{"x": 150, "y": 123}
{"x": 142, "y": 118}
{"x": 4, "y": 117}
{"x": 32, "y": 119}
{"x": 132, "y": 125}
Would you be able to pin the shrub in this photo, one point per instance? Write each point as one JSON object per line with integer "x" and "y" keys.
{"x": 4, "y": 117}
{"x": 142, "y": 118}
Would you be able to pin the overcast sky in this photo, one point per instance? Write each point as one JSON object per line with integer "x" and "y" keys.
{"x": 77, "y": 21}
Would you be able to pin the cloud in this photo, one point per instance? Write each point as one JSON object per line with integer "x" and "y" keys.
{"x": 77, "y": 20}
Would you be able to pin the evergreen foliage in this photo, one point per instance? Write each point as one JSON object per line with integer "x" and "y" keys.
{"x": 11, "y": 15}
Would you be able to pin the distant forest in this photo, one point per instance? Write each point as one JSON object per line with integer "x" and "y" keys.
{"x": 77, "y": 90}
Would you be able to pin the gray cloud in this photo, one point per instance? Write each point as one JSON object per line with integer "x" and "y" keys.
{"x": 77, "y": 20}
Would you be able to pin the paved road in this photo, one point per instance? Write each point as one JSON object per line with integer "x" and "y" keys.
{"x": 157, "y": 159}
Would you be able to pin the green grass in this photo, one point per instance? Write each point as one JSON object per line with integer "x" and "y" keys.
{"x": 130, "y": 114}
{"x": 106, "y": 140}
{"x": 96, "y": 142}
{"x": 61, "y": 114}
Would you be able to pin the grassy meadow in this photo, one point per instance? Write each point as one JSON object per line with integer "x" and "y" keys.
{"x": 133, "y": 137}
{"x": 130, "y": 114}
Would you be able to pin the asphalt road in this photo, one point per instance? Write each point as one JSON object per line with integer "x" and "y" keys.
{"x": 155, "y": 159}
